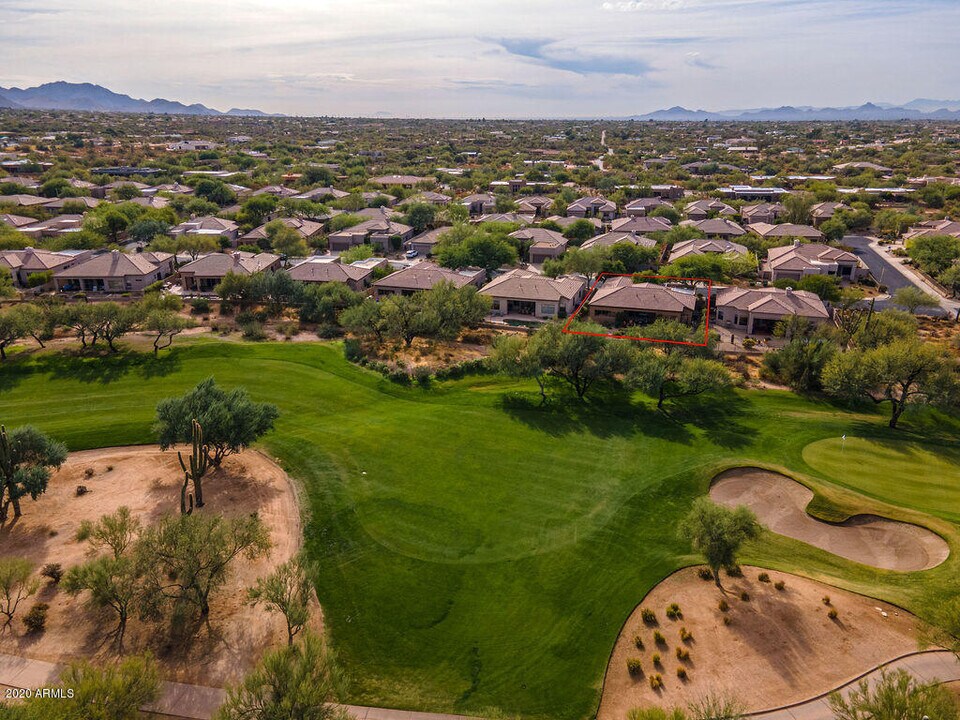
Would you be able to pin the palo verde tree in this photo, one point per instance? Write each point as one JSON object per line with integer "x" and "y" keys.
{"x": 665, "y": 376}
{"x": 231, "y": 421}
{"x": 718, "y": 532}
{"x": 188, "y": 557}
{"x": 896, "y": 695}
{"x": 26, "y": 458}
{"x": 903, "y": 373}
{"x": 16, "y": 585}
{"x": 516, "y": 356}
{"x": 114, "y": 583}
{"x": 287, "y": 590}
{"x": 301, "y": 680}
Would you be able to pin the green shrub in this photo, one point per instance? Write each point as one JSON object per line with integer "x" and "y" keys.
{"x": 648, "y": 616}
{"x": 763, "y": 577}
{"x": 656, "y": 660}
{"x": 84, "y": 531}
{"x": 833, "y": 614}
{"x": 634, "y": 666}
{"x": 328, "y": 331}
{"x": 656, "y": 682}
{"x": 682, "y": 673}
{"x": 422, "y": 375}
{"x": 638, "y": 642}
{"x": 723, "y": 605}
{"x": 734, "y": 571}
{"x": 253, "y": 330}
{"x": 683, "y": 654}
{"x": 659, "y": 639}
{"x": 352, "y": 350}
{"x": 780, "y": 585}
{"x": 745, "y": 596}
{"x": 200, "y": 306}
{"x": 36, "y": 620}
{"x": 705, "y": 573}
{"x": 826, "y": 599}
{"x": 685, "y": 635}
{"x": 673, "y": 611}
{"x": 401, "y": 377}
{"x": 727, "y": 620}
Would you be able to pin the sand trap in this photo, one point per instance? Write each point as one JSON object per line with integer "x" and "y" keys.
{"x": 148, "y": 482}
{"x": 780, "y": 504}
{"x": 780, "y": 646}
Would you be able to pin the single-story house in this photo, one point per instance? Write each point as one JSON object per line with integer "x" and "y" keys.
{"x": 785, "y": 230}
{"x": 758, "y": 310}
{"x": 707, "y": 246}
{"x": 565, "y": 222}
{"x": 642, "y": 207}
{"x": 114, "y": 272}
{"x": 479, "y": 204}
{"x": 821, "y": 212}
{"x": 933, "y": 227}
{"x": 593, "y": 207}
{"x": 615, "y": 237}
{"x": 280, "y": 191}
{"x": 427, "y": 196}
{"x": 796, "y": 261}
{"x": 423, "y": 276}
{"x": 641, "y": 225}
{"x": 716, "y": 227}
{"x": 23, "y": 200}
{"x": 17, "y": 222}
{"x": 621, "y": 302}
{"x": 406, "y": 181}
{"x": 859, "y": 167}
{"x": 313, "y": 270}
{"x": 524, "y": 292}
{"x": 509, "y": 218}
{"x": 544, "y": 244}
{"x": 426, "y": 242}
{"x": 321, "y": 193}
{"x": 24, "y": 263}
{"x": 762, "y": 213}
{"x": 703, "y": 209}
{"x": 377, "y": 232}
{"x": 57, "y": 204}
{"x": 206, "y": 272}
{"x": 172, "y": 188}
{"x": 54, "y": 226}
{"x": 536, "y": 205}
{"x": 304, "y": 228}
{"x": 208, "y": 225}
{"x": 155, "y": 202}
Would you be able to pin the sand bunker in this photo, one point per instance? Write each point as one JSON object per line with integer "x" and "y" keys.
{"x": 780, "y": 504}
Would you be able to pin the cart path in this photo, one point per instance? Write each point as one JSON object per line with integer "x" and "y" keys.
{"x": 195, "y": 702}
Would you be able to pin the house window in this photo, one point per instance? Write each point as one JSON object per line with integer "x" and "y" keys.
{"x": 548, "y": 309}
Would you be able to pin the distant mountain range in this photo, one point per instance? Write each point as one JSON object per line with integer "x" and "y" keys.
{"x": 920, "y": 109}
{"x": 95, "y": 98}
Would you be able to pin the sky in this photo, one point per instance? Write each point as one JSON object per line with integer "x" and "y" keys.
{"x": 489, "y": 58}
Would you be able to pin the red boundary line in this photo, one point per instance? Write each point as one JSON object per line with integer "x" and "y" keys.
{"x": 706, "y": 335}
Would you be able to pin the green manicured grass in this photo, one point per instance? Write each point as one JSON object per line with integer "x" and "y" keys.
{"x": 903, "y": 472}
{"x": 479, "y": 554}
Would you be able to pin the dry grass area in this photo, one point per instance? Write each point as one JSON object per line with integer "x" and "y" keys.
{"x": 940, "y": 332}
{"x": 433, "y": 354}
{"x": 780, "y": 646}
{"x": 148, "y": 482}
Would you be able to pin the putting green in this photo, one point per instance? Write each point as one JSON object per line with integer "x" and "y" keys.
{"x": 909, "y": 474}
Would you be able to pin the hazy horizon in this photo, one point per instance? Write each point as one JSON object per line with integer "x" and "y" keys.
{"x": 541, "y": 58}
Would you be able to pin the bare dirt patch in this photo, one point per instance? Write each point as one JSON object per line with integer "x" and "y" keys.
{"x": 148, "y": 482}
{"x": 780, "y": 504}
{"x": 780, "y": 647}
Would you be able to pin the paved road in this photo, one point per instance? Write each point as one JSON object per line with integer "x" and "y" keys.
{"x": 892, "y": 273}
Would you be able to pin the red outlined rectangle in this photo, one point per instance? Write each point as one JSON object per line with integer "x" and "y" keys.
{"x": 601, "y": 276}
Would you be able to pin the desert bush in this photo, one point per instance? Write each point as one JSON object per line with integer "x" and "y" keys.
{"x": 81, "y": 490}
{"x": 84, "y": 531}
{"x": 826, "y": 599}
{"x": 656, "y": 682}
{"x": 780, "y": 585}
{"x": 53, "y": 572}
{"x": 109, "y": 468}
{"x": 88, "y": 473}
{"x": 655, "y": 659}
{"x": 648, "y": 616}
{"x": 749, "y": 343}
{"x": 734, "y": 571}
{"x": 36, "y": 620}
{"x": 727, "y": 620}
{"x": 745, "y": 596}
{"x": 638, "y": 642}
{"x": 723, "y": 605}
{"x": 200, "y": 306}
{"x": 673, "y": 611}
{"x": 833, "y": 614}
{"x": 659, "y": 639}
{"x": 288, "y": 328}
{"x": 352, "y": 350}
{"x": 763, "y": 577}
{"x": 253, "y": 330}
{"x": 634, "y": 666}
{"x": 682, "y": 673}
{"x": 401, "y": 377}
{"x": 422, "y": 375}
{"x": 685, "y": 635}
{"x": 683, "y": 654}
{"x": 705, "y": 573}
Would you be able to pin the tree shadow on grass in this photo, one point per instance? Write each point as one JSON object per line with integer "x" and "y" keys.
{"x": 718, "y": 415}
{"x": 604, "y": 415}
{"x": 105, "y": 367}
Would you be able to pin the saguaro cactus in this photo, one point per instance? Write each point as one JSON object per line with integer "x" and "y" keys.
{"x": 197, "y": 469}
